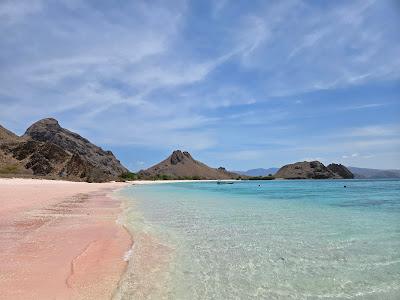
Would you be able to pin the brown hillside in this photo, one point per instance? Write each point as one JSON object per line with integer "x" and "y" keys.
{"x": 47, "y": 149}
{"x": 181, "y": 165}
{"x": 312, "y": 170}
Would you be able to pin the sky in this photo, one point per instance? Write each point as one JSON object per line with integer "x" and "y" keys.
{"x": 239, "y": 84}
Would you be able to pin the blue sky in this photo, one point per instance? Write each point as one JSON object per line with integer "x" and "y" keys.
{"x": 240, "y": 84}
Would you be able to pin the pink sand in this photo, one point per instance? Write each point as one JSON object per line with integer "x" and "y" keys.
{"x": 60, "y": 240}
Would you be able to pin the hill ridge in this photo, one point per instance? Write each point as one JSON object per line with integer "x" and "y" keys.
{"x": 313, "y": 170}
{"x": 47, "y": 149}
{"x": 181, "y": 165}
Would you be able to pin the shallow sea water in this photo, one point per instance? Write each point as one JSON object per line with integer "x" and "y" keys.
{"x": 303, "y": 239}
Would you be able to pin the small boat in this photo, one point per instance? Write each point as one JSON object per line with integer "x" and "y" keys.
{"x": 225, "y": 182}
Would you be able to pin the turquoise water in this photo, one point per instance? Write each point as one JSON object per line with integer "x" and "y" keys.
{"x": 308, "y": 239}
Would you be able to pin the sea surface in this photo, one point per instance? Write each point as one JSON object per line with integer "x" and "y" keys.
{"x": 303, "y": 239}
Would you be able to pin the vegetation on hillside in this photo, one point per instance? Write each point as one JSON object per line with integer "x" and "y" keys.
{"x": 269, "y": 177}
{"x": 129, "y": 176}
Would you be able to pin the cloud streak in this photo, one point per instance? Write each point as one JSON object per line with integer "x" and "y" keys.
{"x": 213, "y": 76}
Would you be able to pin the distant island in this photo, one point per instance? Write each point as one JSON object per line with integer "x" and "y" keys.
{"x": 313, "y": 170}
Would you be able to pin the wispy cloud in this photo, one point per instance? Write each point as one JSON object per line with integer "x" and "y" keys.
{"x": 375, "y": 131}
{"x": 340, "y": 46}
{"x": 362, "y": 106}
{"x": 209, "y": 76}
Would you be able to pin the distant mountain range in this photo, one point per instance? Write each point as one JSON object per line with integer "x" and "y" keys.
{"x": 374, "y": 173}
{"x": 258, "y": 172}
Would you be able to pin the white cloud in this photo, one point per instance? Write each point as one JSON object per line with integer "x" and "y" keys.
{"x": 361, "y": 106}
{"x": 330, "y": 48}
{"x": 152, "y": 74}
{"x": 374, "y": 131}
{"x": 358, "y": 156}
{"x": 320, "y": 159}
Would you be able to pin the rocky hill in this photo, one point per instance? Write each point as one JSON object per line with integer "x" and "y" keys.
{"x": 47, "y": 149}
{"x": 341, "y": 170}
{"x": 313, "y": 170}
{"x": 181, "y": 165}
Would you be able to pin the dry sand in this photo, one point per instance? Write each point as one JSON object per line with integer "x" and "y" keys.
{"x": 60, "y": 240}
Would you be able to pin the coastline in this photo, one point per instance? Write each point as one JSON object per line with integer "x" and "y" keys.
{"x": 61, "y": 239}
{"x": 64, "y": 239}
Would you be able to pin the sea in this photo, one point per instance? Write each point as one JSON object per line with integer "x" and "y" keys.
{"x": 278, "y": 239}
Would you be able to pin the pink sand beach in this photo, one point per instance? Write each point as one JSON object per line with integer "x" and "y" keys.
{"x": 60, "y": 240}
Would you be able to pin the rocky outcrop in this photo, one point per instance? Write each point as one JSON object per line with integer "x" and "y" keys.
{"x": 181, "y": 165}
{"x": 48, "y": 130}
{"x": 312, "y": 170}
{"x": 341, "y": 170}
{"x": 180, "y": 157}
{"x": 47, "y": 149}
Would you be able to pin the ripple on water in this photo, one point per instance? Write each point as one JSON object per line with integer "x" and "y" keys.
{"x": 282, "y": 240}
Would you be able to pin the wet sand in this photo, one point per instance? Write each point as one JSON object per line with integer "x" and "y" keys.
{"x": 60, "y": 240}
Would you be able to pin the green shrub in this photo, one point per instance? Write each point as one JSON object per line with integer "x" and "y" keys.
{"x": 9, "y": 169}
{"x": 165, "y": 177}
{"x": 269, "y": 177}
{"x": 129, "y": 176}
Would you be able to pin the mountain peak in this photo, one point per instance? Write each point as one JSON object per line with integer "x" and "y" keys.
{"x": 181, "y": 165}
{"x": 178, "y": 156}
{"x": 47, "y": 122}
{"x": 41, "y": 129}
{"x": 49, "y": 131}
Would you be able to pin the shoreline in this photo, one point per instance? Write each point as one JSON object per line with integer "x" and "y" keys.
{"x": 61, "y": 239}
{"x": 64, "y": 239}
{"x": 147, "y": 259}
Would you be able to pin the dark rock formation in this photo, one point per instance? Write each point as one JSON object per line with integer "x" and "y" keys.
{"x": 181, "y": 165}
{"x": 48, "y": 130}
{"x": 341, "y": 170}
{"x": 47, "y": 149}
{"x": 180, "y": 157}
{"x": 311, "y": 170}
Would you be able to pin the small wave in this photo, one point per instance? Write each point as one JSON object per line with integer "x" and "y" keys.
{"x": 128, "y": 255}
